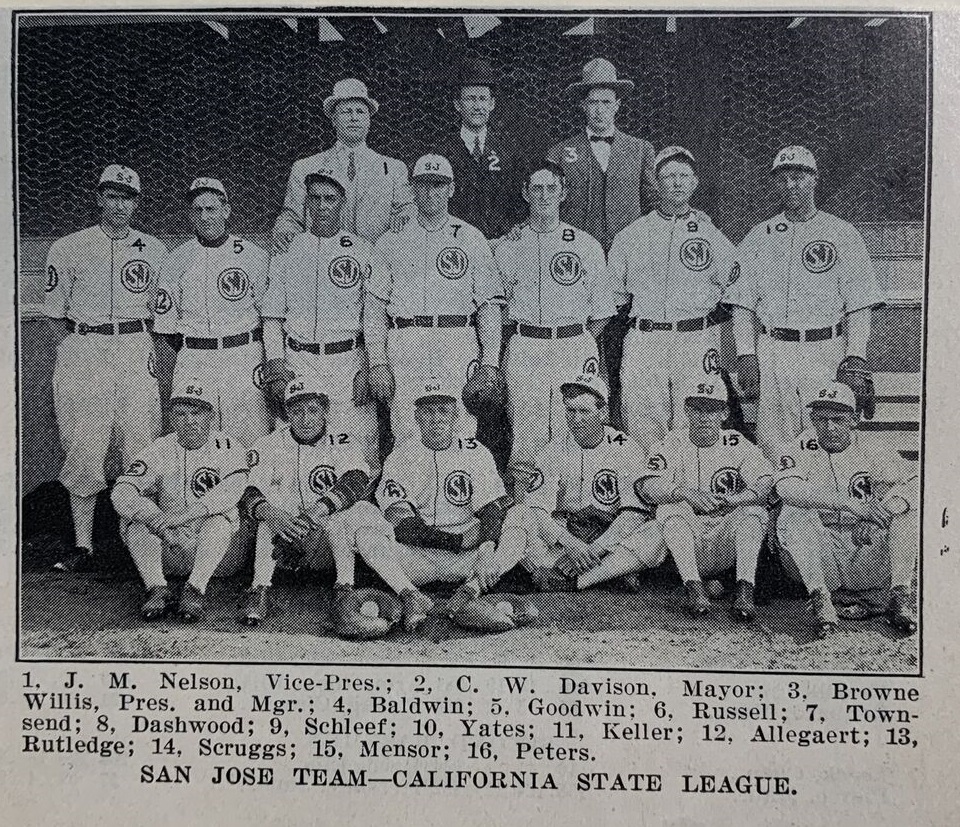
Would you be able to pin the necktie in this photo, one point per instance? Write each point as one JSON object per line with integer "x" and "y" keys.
{"x": 607, "y": 139}
{"x": 352, "y": 168}
{"x": 477, "y": 151}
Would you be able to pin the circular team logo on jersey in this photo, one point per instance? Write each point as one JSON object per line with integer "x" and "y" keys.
{"x": 734, "y": 272}
{"x": 258, "y": 376}
{"x": 472, "y": 368}
{"x": 232, "y": 284}
{"x": 152, "y": 364}
{"x": 786, "y": 463}
{"x": 591, "y": 366}
{"x": 819, "y": 256}
{"x": 253, "y": 459}
{"x": 458, "y": 488}
{"x": 860, "y": 486}
{"x": 452, "y": 262}
{"x": 606, "y": 488}
{"x": 203, "y": 480}
{"x": 135, "y": 275}
{"x": 781, "y": 227}
{"x": 657, "y": 462}
{"x": 52, "y": 279}
{"x": 695, "y": 254}
{"x": 536, "y": 480}
{"x": 393, "y": 490}
{"x": 322, "y": 478}
{"x": 344, "y": 272}
{"x": 565, "y": 268}
{"x": 163, "y": 303}
{"x": 711, "y": 361}
{"x": 727, "y": 481}
{"x": 137, "y": 468}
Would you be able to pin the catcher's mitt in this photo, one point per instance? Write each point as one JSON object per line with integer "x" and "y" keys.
{"x": 496, "y": 613}
{"x": 589, "y": 523}
{"x": 364, "y": 614}
{"x": 276, "y": 375}
{"x": 853, "y": 371}
{"x": 485, "y": 388}
{"x": 387, "y": 606}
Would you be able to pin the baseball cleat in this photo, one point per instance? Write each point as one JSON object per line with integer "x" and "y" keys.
{"x": 900, "y": 612}
{"x": 551, "y": 580}
{"x": 159, "y": 602}
{"x": 697, "y": 602}
{"x": 825, "y": 615}
{"x": 743, "y": 607}
{"x": 416, "y": 607}
{"x": 257, "y": 606}
{"x": 192, "y": 604}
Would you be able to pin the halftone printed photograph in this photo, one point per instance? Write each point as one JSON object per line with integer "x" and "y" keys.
{"x": 545, "y": 340}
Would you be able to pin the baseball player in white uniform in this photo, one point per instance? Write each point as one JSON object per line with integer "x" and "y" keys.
{"x": 208, "y": 300}
{"x": 177, "y": 502}
{"x": 801, "y": 305}
{"x": 581, "y": 522}
{"x": 100, "y": 284}
{"x": 305, "y": 493}
{"x": 427, "y": 281}
{"x": 710, "y": 486}
{"x": 444, "y": 503}
{"x": 671, "y": 266}
{"x": 377, "y": 187}
{"x": 848, "y": 529}
{"x": 558, "y": 299}
{"x": 312, "y": 315}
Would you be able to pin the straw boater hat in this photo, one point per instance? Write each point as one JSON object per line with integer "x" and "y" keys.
{"x": 349, "y": 89}
{"x": 602, "y": 73}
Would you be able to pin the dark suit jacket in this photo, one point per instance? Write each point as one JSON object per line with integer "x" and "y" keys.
{"x": 487, "y": 194}
{"x": 603, "y": 204}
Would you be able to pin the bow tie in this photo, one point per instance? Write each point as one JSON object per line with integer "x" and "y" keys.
{"x": 607, "y": 139}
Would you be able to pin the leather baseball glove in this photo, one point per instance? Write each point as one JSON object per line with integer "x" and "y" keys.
{"x": 853, "y": 371}
{"x": 485, "y": 388}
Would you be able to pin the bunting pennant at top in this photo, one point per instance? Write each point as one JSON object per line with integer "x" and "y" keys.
{"x": 584, "y": 28}
{"x": 380, "y": 27}
{"x": 291, "y": 22}
{"x": 219, "y": 28}
{"x": 326, "y": 33}
{"x": 479, "y": 24}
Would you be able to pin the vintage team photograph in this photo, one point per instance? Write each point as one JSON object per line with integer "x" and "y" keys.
{"x": 514, "y": 339}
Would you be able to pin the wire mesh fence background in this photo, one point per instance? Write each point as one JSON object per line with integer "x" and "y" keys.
{"x": 174, "y": 99}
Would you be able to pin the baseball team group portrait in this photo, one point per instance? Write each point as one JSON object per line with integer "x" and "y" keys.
{"x": 517, "y": 339}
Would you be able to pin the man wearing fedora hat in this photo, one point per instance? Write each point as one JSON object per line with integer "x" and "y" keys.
{"x": 610, "y": 173}
{"x": 378, "y": 187}
{"x": 487, "y": 164}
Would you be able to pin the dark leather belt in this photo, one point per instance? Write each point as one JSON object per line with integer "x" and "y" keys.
{"x": 817, "y": 334}
{"x": 107, "y": 329}
{"x": 197, "y": 343}
{"x": 563, "y": 332}
{"x": 328, "y": 349}
{"x": 684, "y": 325}
{"x": 430, "y": 321}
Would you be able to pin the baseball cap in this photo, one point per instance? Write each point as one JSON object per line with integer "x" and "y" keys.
{"x": 589, "y": 382}
{"x": 301, "y": 386}
{"x": 834, "y": 396}
{"x": 668, "y": 153}
{"x": 326, "y": 175}
{"x": 794, "y": 156}
{"x": 433, "y": 168}
{"x": 436, "y": 389}
{"x": 708, "y": 392}
{"x": 193, "y": 390}
{"x": 206, "y": 185}
{"x": 121, "y": 177}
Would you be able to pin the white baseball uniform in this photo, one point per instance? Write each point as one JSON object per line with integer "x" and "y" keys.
{"x": 105, "y": 378}
{"x": 168, "y": 478}
{"x": 731, "y": 465}
{"x": 800, "y": 279}
{"x": 672, "y": 271}
{"x": 295, "y": 476}
{"x": 826, "y": 535}
{"x": 316, "y": 288}
{"x": 212, "y": 296}
{"x": 433, "y": 282}
{"x": 555, "y": 283}
{"x": 570, "y": 478}
{"x": 446, "y": 489}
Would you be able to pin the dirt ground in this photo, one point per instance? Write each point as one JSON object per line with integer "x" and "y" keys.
{"x": 95, "y": 616}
